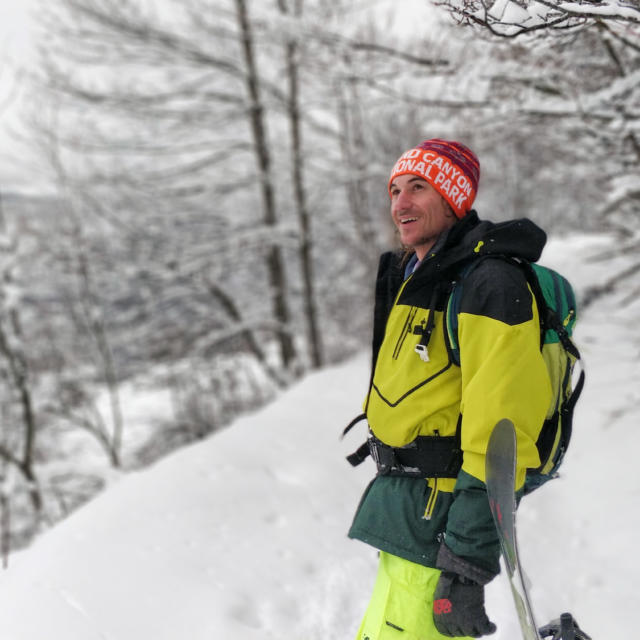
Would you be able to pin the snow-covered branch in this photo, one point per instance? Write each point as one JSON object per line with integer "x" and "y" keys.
{"x": 512, "y": 18}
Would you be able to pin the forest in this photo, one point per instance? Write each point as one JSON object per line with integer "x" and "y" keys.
{"x": 220, "y": 202}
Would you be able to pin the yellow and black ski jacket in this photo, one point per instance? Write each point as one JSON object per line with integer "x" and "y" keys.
{"x": 501, "y": 375}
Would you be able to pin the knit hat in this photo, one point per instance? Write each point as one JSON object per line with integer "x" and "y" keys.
{"x": 449, "y": 167}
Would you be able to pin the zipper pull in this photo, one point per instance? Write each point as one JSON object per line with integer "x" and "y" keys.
{"x": 422, "y": 351}
{"x": 424, "y": 332}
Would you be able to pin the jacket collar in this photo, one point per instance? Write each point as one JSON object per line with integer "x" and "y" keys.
{"x": 471, "y": 237}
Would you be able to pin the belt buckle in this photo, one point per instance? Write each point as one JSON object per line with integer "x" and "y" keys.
{"x": 383, "y": 456}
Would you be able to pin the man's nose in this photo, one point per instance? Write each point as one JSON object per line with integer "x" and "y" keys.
{"x": 402, "y": 200}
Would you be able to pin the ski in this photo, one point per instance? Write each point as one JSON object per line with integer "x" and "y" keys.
{"x": 500, "y": 472}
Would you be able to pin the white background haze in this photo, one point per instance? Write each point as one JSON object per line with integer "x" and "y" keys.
{"x": 16, "y": 48}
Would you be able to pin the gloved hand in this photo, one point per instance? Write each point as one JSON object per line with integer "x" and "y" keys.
{"x": 458, "y": 607}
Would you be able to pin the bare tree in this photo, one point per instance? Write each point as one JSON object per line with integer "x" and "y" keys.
{"x": 19, "y": 424}
{"x": 261, "y": 145}
{"x": 292, "y": 54}
{"x": 90, "y": 319}
{"x": 163, "y": 172}
{"x": 575, "y": 66}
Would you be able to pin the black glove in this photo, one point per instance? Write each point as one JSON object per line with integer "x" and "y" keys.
{"x": 458, "y": 607}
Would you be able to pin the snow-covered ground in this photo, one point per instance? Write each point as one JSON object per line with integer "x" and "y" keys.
{"x": 243, "y": 536}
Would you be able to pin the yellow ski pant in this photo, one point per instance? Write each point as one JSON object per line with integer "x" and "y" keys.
{"x": 402, "y": 602}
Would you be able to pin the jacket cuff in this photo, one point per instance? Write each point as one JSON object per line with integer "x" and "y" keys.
{"x": 449, "y": 561}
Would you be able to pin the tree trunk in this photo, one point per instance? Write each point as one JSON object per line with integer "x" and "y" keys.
{"x": 300, "y": 197}
{"x": 275, "y": 262}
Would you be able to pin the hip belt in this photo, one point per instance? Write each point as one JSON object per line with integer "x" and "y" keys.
{"x": 425, "y": 457}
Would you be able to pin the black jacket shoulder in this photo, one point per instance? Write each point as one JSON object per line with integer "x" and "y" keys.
{"x": 497, "y": 289}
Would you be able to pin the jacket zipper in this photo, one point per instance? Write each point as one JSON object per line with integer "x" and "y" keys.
{"x": 431, "y": 502}
{"x": 406, "y": 329}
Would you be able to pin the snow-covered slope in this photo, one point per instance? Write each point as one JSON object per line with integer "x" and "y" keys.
{"x": 243, "y": 536}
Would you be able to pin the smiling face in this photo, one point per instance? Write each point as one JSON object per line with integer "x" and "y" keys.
{"x": 419, "y": 212}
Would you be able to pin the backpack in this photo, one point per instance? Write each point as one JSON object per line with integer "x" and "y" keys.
{"x": 556, "y": 304}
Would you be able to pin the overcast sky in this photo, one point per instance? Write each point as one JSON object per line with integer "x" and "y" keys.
{"x": 15, "y": 46}
{"x": 15, "y": 40}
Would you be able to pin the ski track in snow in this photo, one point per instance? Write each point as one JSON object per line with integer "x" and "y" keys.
{"x": 243, "y": 536}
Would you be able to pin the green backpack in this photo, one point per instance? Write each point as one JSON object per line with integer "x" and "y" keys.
{"x": 556, "y": 304}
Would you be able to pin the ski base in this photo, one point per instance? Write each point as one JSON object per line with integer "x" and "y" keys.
{"x": 500, "y": 479}
{"x": 500, "y": 471}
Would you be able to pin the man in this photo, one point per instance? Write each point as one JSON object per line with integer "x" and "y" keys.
{"x": 430, "y": 420}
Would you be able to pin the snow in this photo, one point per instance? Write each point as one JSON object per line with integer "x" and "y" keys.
{"x": 608, "y": 9}
{"x": 509, "y": 12}
{"x": 243, "y": 536}
{"x": 509, "y": 17}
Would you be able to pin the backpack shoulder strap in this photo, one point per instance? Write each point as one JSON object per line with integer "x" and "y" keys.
{"x": 453, "y": 308}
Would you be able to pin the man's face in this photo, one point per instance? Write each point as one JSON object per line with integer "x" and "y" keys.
{"x": 419, "y": 212}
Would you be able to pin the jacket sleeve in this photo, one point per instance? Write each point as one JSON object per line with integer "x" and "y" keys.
{"x": 503, "y": 376}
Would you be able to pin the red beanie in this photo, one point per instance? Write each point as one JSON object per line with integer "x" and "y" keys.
{"x": 449, "y": 167}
